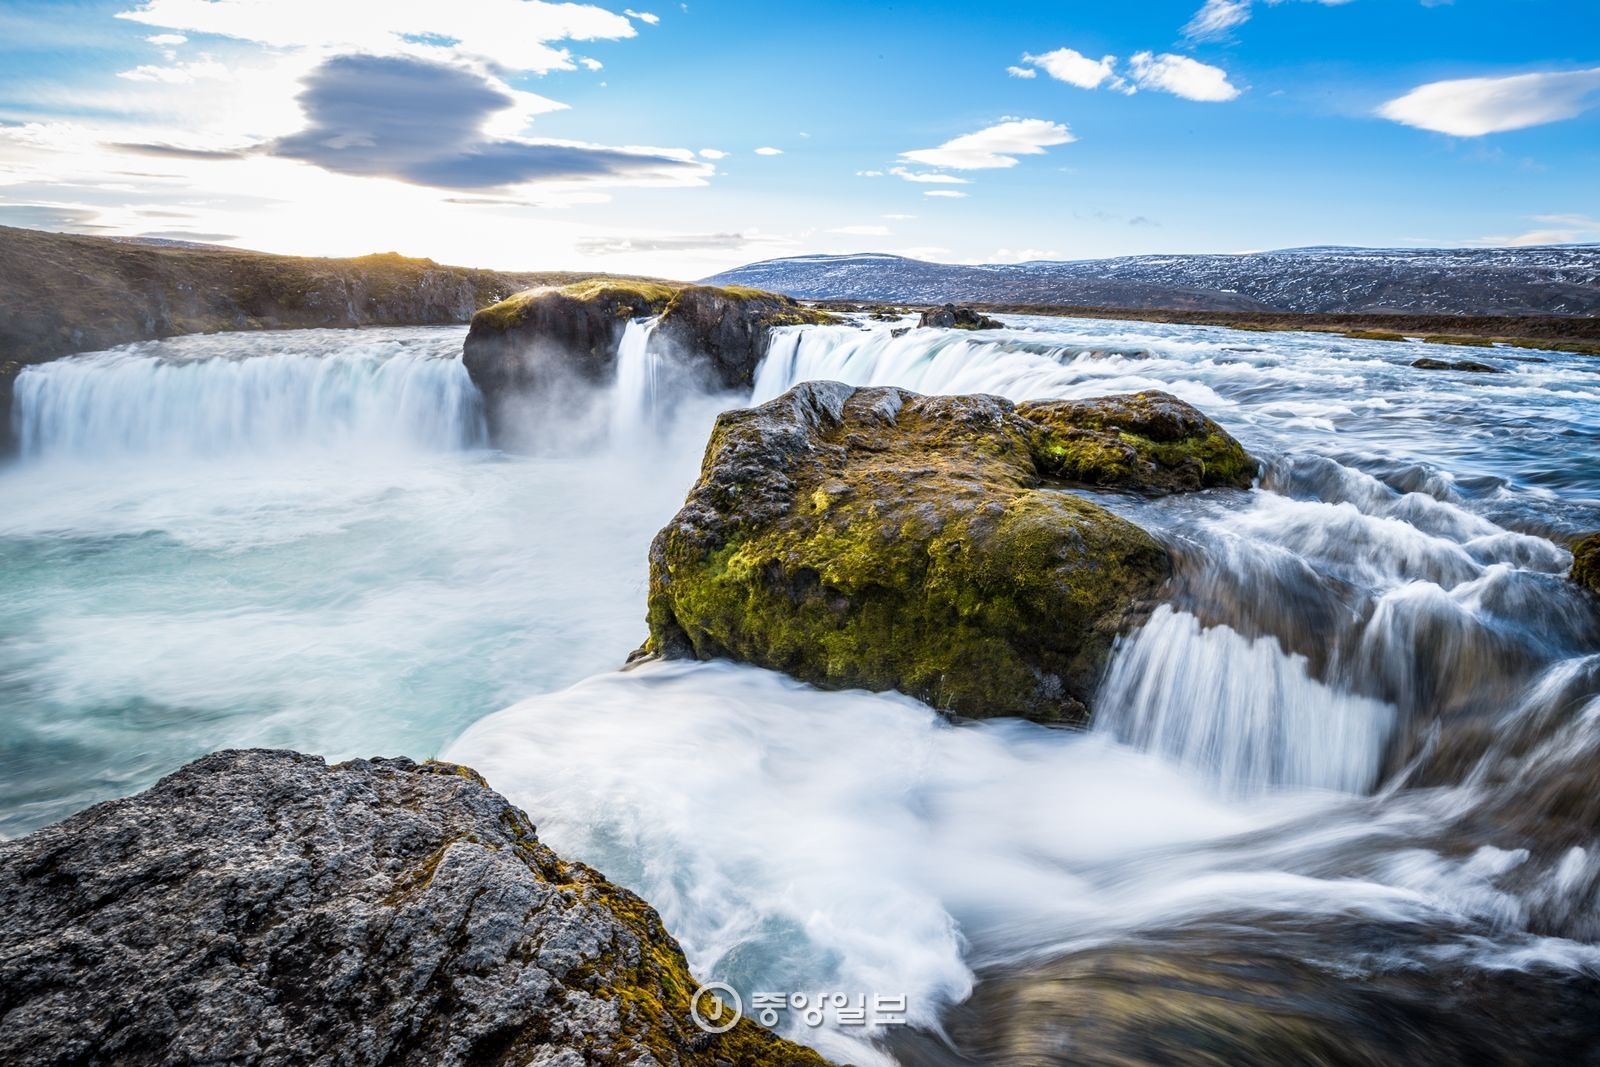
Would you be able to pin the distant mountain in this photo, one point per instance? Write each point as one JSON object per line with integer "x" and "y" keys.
{"x": 1554, "y": 280}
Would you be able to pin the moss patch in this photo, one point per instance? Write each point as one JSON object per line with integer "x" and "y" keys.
{"x": 1586, "y": 563}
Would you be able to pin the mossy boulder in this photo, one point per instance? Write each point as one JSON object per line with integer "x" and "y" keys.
{"x": 265, "y": 908}
{"x": 1586, "y": 563}
{"x": 550, "y": 345}
{"x": 954, "y": 317}
{"x": 1150, "y": 442}
{"x": 880, "y": 539}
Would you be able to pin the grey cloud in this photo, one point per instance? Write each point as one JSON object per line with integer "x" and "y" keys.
{"x": 175, "y": 152}
{"x": 50, "y": 216}
{"x": 422, "y": 122}
{"x": 186, "y": 235}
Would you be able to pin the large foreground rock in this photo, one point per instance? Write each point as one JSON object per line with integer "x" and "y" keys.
{"x": 264, "y": 908}
{"x": 886, "y": 540}
{"x": 542, "y": 348}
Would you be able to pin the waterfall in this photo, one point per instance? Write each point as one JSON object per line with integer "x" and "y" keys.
{"x": 635, "y": 401}
{"x": 1242, "y": 711}
{"x": 201, "y": 396}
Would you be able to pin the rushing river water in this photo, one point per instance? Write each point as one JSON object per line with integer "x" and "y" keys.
{"x": 1338, "y": 802}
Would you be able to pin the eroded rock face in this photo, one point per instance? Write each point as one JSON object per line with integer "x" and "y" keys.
{"x": 264, "y": 908}
{"x": 954, "y": 317}
{"x": 545, "y": 348}
{"x": 886, "y": 540}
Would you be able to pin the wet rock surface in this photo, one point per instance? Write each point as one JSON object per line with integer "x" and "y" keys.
{"x": 886, "y": 540}
{"x": 545, "y": 349}
{"x": 261, "y": 907}
{"x": 956, "y": 317}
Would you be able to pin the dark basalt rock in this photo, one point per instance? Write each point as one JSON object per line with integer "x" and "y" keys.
{"x": 953, "y": 317}
{"x": 880, "y": 539}
{"x": 1469, "y": 366}
{"x": 547, "y": 346}
{"x": 264, "y": 908}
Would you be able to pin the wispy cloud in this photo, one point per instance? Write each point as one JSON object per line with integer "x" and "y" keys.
{"x": 1022, "y": 72}
{"x": 947, "y": 194}
{"x": 1216, "y": 17}
{"x": 927, "y": 177}
{"x": 768, "y": 150}
{"x": 1473, "y": 107}
{"x": 995, "y": 146}
{"x": 1181, "y": 76}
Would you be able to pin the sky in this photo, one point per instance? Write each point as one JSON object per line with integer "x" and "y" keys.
{"x": 679, "y": 139}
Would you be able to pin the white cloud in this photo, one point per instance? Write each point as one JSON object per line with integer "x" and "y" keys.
{"x": 1558, "y": 230}
{"x": 514, "y": 35}
{"x": 863, "y": 231}
{"x": 997, "y": 146}
{"x": 1216, "y": 18}
{"x": 1472, "y": 107}
{"x": 1181, "y": 76}
{"x": 1022, "y": 72}
{"x": 168, "y": 39}
{"x": 713, "y": 153}
{"x": 1021, "y": 255}
{"x": 204, "y": 69}
{"x": 927, "y": 177}
{"x": 949, "y": 194}
{"x": 642, "y": 16}
{"x": 590, "y": 64}
{"x": 769, "y": 151}
{"x": 1075, "y": 68}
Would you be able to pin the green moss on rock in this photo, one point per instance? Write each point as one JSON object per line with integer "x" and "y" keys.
{"x": 876, "y": 538}
{"x": 1148, "y": 441}
{"x": 1586, "y": 563}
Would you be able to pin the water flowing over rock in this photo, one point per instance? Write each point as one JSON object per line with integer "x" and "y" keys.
{"x": 951, "y": 317}
{"x": 261, "y": 907}
{"x": 1466, "y": 366}
{"x": 1586, "y": 563}
{"x": 886, "y": 540}
{"x": 543, "y": 351}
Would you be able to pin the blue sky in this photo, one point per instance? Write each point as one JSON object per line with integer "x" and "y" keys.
{"x": 684, "y": 138}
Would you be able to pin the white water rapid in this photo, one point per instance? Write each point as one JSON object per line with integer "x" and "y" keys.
{"x": 1352, "y": 752}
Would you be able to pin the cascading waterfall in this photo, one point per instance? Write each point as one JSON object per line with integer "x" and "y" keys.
{"x": 197, "y": 396}
{"x": 635, "y": 408}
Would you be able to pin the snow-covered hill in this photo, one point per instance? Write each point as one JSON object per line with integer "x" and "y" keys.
{"x": 1555, "y": 280}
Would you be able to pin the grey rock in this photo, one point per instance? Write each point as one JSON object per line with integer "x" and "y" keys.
{"x": 261, "y": 907}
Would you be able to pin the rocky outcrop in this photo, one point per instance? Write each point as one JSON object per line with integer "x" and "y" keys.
{"x": 886, "y": 540}
{"x": 1469, "y": 366}
{"x": 64, "y": 293}
{"x": 545, "y": 347}
{"x": 265, "y": 908}
{"x": 1586, "y": 563}
{"x": 953, "y": 317}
